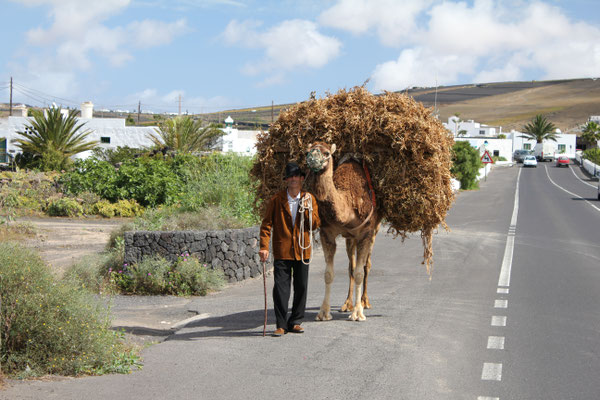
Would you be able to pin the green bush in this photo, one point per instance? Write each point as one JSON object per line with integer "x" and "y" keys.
{"x": 53, "y": 327}
{"x": 593, "y": 155}
{"x": 155, "y": 275}
{"x": 465, "y": 165}
{"x": 64, "y": 207}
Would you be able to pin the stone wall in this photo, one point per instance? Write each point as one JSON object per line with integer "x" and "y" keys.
{"x": 235, "y": 251}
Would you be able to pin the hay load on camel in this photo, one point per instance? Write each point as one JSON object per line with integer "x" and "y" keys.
{"x": 406, "y": 152}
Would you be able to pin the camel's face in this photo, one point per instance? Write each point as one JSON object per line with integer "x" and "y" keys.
{"x": 318, "y": 156}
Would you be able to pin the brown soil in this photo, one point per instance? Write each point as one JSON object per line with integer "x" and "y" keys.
{"x": 63, "y": 241}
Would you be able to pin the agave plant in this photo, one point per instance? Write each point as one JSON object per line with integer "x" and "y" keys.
{"x": 53, "y": 138}
{"x": 184, "y": 134}
{"x": 539, "y": 129}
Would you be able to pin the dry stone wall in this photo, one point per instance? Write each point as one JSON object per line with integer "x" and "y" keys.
{"x": 235, "y": 251}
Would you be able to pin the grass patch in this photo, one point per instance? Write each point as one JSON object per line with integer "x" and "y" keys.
{"x": 51, "y": 326}
{"x": 11, "y": 231}
{"x": 515, "y": 118}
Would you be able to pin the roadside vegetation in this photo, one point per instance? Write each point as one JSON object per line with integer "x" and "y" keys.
{"x": 52, "y": 326}
{"x": 593, "y": 155}
{"x": 466, "y": 164}
{"x": 60, "y": 325}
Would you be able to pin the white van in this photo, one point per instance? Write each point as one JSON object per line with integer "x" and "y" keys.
{"x": 544, "y": 151}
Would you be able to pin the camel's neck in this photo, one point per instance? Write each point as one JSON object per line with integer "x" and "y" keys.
{"x": 324, "y": 188}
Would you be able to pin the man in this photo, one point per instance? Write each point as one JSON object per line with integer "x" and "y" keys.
{"x": 291, "y": 260}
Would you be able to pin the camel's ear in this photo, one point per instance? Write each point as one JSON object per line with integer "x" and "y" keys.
{"x": 332, "y": 149}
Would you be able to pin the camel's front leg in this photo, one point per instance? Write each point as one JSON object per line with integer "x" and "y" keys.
{"x": 364, "y": 250}
{"x": 329, "y": 251}
{"x": 351, "y": 251}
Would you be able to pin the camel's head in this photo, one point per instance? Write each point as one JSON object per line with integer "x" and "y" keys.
{"x": 319, "y": 155}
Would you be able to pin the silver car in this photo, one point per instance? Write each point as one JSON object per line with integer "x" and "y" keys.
{"x": 530, "y": 161}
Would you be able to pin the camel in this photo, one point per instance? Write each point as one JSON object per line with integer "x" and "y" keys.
{"x": 345, "y": 208}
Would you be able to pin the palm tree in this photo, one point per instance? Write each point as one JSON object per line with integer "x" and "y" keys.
{"x": 591, "y": 133}
{"x": 539, "y": 129}
{"x": 52, "y": 138}
{"x": 184, "y": 134}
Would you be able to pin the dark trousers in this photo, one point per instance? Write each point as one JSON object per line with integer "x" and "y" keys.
{"x": 284, "y": 271}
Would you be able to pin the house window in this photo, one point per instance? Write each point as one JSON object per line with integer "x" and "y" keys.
{"x": 562, "y": 148}
{"x": 482, "y": 132}
{"x": 496, "y": 153}
{"x": 104, "y": 139}
{"x": 526, "y": 146}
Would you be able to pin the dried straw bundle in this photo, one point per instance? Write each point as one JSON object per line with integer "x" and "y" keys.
{"x": 407, "y": 151}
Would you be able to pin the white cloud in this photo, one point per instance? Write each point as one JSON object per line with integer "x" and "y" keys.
{"x": 288, "y": 45}
{"x": 151, "y": 99}
{"x": 395, "y": 22}
{"x": 78, "y": 36}
{"x": 490, "y": 41}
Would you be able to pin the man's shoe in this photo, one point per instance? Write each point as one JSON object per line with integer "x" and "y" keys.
{"x": 296, "y": 329}
{"x": 278, "y": 332}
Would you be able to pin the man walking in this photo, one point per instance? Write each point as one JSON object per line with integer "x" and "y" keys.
{"x": 291, "y": 256}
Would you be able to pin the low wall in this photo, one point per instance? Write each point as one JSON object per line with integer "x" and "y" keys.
{"x": 589, "y": 166}
{"x": 235, "y": 251}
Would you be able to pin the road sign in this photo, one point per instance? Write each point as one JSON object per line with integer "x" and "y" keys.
{"x": 486, "y": 158}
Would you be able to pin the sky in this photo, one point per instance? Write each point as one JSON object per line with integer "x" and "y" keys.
{"x": 214, "y": 55}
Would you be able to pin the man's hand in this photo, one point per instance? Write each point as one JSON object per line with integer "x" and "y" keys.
{"x": 263, "y": 254}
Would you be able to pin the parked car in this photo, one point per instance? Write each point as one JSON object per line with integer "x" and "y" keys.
{"x": 530, "y": 161}
{"x": 519, "y": 155}
{"x": 562, "y": 161}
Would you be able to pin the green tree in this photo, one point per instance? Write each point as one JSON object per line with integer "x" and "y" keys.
{"x": 465, "y": 164}
{"x": 129, "y": 121}
{"x": 539, "y": 129}
{"x": 184, "y": 134}
{"x": 591, "y": 133}
{"x": 53, "y": 138}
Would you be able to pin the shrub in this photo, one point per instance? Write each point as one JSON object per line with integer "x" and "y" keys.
{"x": 465, "y": 164}
{"x": 155, "y": 275}
{"x": 593, "y": 155}
{"x": 64, "y": 207}
{"x": 50, "y": 326}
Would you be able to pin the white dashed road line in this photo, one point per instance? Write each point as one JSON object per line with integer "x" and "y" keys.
{"x": 493, "y": 371}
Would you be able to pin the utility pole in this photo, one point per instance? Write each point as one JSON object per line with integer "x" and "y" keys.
{"x": 139, "y": 110}
{"x": 10, "y": 107}
{"x": 179, "y": 104}
{"x": 272, "y": 112}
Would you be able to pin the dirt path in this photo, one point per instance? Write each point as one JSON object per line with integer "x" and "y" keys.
{"x": 63, "y": 241}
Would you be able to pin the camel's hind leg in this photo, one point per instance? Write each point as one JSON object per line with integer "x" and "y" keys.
{"x": 351, "y": 251}
{"x": 365, "y": 246}
{"x": 328, "y": 244}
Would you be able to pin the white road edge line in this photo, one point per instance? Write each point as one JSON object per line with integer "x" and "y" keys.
{"x": 498, "y": 320}
{"x": 504, "y": 279}
{"x": 589, "y": 184}
{"x": 500, "y": 303}
{"x": 487, "y": 398}
{"x": 565, "y": 190}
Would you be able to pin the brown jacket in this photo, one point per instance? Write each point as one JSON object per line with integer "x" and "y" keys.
{"x": 285, "y": 238}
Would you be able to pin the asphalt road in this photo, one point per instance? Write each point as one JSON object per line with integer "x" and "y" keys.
{"x": 469, "y": 333}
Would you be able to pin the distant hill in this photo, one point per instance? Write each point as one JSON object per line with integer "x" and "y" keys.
{"x": 567, "y": 103}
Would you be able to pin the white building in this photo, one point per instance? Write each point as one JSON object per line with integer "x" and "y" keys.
{"x": 565, "y": 142}
{"x": 236, "y": 141}
{"x": 110, "y": 133}
{"x": 471, "y": 128}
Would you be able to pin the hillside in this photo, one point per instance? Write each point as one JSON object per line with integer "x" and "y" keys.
{"x": 567, "y": 103}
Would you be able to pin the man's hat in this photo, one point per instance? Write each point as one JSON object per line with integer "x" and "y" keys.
{"x": 293, "y": 169}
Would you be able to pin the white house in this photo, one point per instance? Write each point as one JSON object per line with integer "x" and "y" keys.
{"x": 236, "y": 141}
{"x": 471, "y": 128}
{"x": 108, "y": 132}
{"x": 565, "y": 142}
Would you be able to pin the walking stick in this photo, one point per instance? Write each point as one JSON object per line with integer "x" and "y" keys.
{"x": 265, "y": 286}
